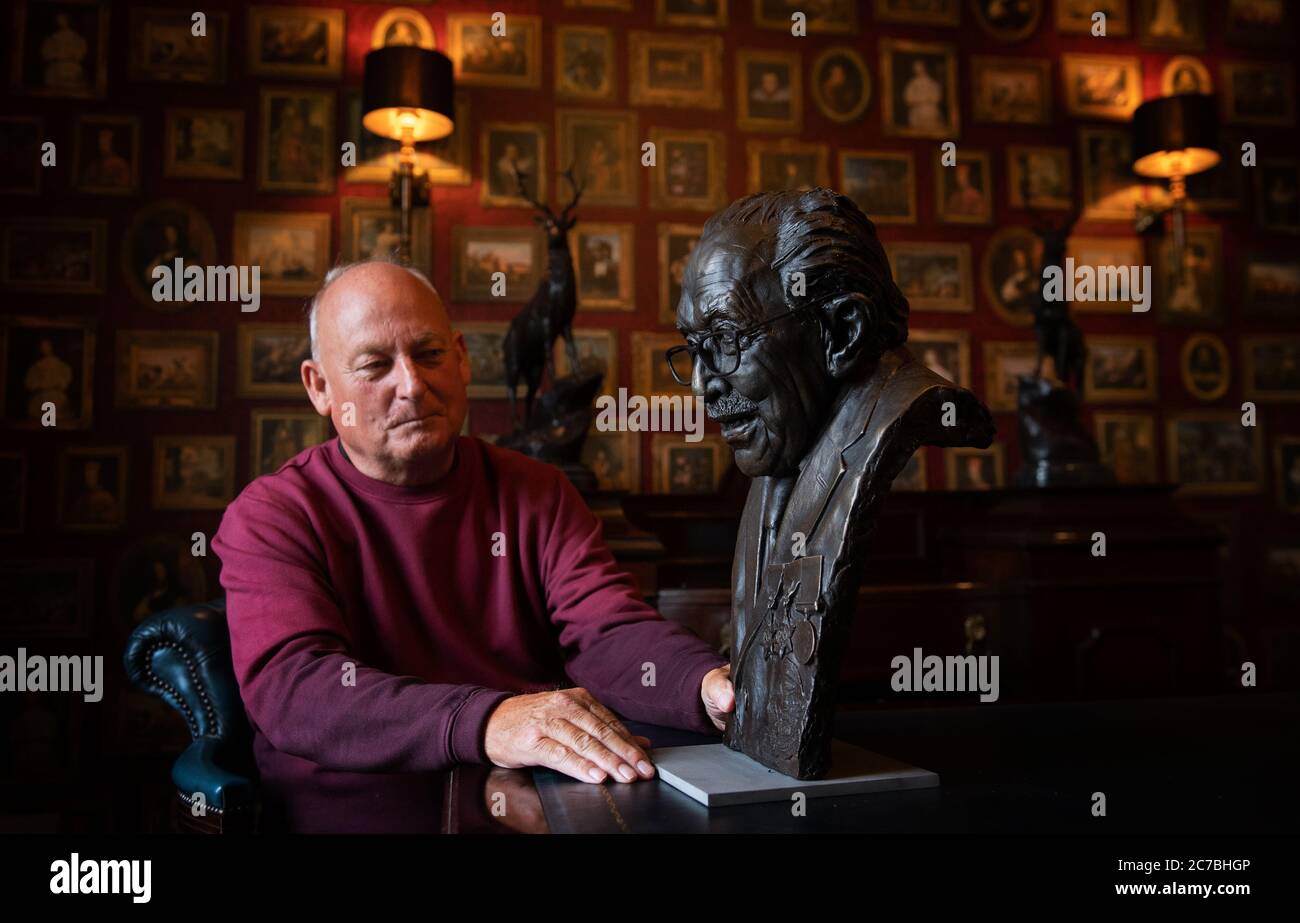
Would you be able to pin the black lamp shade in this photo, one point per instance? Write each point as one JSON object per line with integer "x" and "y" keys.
{"x": 411, "y": 84}
{"x": 1175, "y": 136}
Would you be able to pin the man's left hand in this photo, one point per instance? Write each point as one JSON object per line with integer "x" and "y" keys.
{"x": 718, "y": 695}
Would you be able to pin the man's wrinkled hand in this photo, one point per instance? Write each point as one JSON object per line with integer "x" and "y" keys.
{"x": 718, "y": 695}
{"x": 568, "y": 731}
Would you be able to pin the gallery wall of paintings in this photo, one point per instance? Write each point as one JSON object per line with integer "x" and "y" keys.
{"x": 225, "y": 149}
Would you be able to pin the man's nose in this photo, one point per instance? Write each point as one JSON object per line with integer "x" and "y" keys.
{"x": 410, "y": 380}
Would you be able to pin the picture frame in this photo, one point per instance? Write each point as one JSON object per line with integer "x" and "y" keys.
{"x": 53, "y": 255}
{"x": 584, "y": 63}
{"x": 166, "y": 369}
{"x": 963, "y": 193}
{"x": 403, "y": 26}
{"x": 674, "y": 71}
{"x": 1105, "y": 251}
{"x": 1009, "y": 272}
{"x": 620, "y": 6}
{"x": 1277, "y": 195}
{"x": 786, "y": 164}
{"x": 483, "y": 341}
{"x": 21, "y": 137}
{"x": 1048, "y": 170}
{"x": 193, "y": 472}
{"x": 1270, "y": 368}
{"x": 292, "y": 249}
{"x": 370, "y": 226}
{"x": 297, "y": 42}
{"x": 676, "y": 241}
{"x": 98, "y": 503}
{"x": 933, "y": 110}
{"x": 941, "y": 13}
{"x": 1120, "y": 369}
{"x": 99, "y": 166}
{"x": 934, "y": 275}
{"x": 840, "y": 83}
{"x": 269, "y": 359}
{"x": 1101, "y": 86}
{"x": 1257, "y": 93}
{"x": 944, "y": 352}
{"x": 1127, "y": 444}
{"x": 650, "y": 373}
{"x": 1286, "y": 472}
{"x": 615, "y": 459}
{"x": 159, "y": 234}
{"x": 881, "y": 183}
{"x": 278, "y": 434}
{"x": 682, "y": 467}
{"x": 476, "y": 249}
{"x": 1005, "y": 362}
{"x": 604, "y": 261}
{"x": 1247, "y": 22}
{"x": 47, "y": 360}
{"x": 1008, "y": 22}
{"x": 1111, "y": 191}
{"x": 597, "y": 349}
{"x": 1075, "y": 17}
{"x": 693, "y": 171}
{"x": 602, "y": 146}
{"x": 1204, "y": 366}
{"x": 13, "y": 493}
{"x": 203, "y": 144}
{"x": 446, "y": 162}
{"x": 968, "y": 468}
{"x": 825, "y": 19}
{"x": 296, "y": 151}
{"x": 1011, "y": 91}
{"x": 59, "y": 49}
{"x": 1272, "y": 286}
{"x": 503, "y": 142}
{"x": 47, "y": 598}
{"x": 1186, "y": 74}
{"x": 769, "y": 90}
{"x": 479, "y": 59}
{"x": 1196, "y": 299}
{"x": 1210, "y": 452}
{"x": 1171, "y": 24}
{"x": 703, "y": 15}
{"x": 164, "y": 48}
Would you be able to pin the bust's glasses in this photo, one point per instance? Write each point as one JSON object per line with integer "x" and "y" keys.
{"x": 720, "y": 351}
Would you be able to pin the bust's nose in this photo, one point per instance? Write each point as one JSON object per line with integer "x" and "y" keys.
{"x": 707, "y": 384}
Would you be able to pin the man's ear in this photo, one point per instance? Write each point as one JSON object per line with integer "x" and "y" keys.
{"x": 313, "y": 379}
{"x": 462, "y": 357}
{"x": 845, "y": 322}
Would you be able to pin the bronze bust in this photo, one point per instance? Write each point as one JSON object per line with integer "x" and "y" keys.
{"x": 795, "y": 337}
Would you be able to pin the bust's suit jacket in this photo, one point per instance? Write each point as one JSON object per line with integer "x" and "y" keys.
{"x": 800, "y": 553}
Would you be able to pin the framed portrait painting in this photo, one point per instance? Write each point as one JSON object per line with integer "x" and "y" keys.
{"x": 484, "y": 59}
{"x": 604, "y": 260}
{"x": 918, "y": 83}
{"x": 692, "y": 174}
{"x": 270, "y": 358}
{"x": 47, "y": 372}
{"x": 59, "y": 48}
{"x": 193, "y": 472}
{"x": 203, "y": 143}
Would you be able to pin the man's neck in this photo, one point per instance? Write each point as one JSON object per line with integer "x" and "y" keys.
{"x": 420, "y": 475}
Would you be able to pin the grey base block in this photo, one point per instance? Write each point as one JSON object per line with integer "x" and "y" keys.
{"x": 716, "y": 775}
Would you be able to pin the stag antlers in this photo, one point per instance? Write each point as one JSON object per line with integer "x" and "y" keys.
{"x": 521, "y": 179}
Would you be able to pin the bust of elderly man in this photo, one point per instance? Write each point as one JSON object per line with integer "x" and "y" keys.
{"x": 795, "y": 337}
{"x": 403, "y": 598}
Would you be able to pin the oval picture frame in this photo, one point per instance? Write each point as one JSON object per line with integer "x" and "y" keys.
{"x": 993, "y": 249}
{"x": 1003, "y": 34}
{"x": 1188, "y": 374}
{"x": 145, "y": 244}
{"x": 424, "y": 37}
{"x": 815, "y": 84}
{"x": 1175, "y": 65}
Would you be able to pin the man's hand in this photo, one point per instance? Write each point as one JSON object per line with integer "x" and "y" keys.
{"x": 568, "y": 731}
{"x": 718, "y": 694}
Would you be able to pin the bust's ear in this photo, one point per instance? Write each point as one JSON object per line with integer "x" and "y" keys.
{"x": 846, "y": 324}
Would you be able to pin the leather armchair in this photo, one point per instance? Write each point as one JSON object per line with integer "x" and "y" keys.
{"x": 182, "y": 656}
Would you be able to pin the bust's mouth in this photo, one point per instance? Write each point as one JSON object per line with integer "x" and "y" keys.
{"x": 739, "y": 427}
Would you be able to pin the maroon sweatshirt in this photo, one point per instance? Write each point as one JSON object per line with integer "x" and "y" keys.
{"x": 374, "y": 627}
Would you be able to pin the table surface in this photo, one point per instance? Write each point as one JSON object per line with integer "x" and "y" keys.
{"x": 1172, "y": 766}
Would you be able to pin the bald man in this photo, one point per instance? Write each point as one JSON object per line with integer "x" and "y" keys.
{"x": 403, "y": 598}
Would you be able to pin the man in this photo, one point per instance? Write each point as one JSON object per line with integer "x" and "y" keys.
{"x": 400, "y": 596}
{"x": 795, "y": 333}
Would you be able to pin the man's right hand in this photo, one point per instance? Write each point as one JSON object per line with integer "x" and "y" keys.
{"x": 568, "y": 731}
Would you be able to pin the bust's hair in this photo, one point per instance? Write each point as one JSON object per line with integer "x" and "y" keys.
{"x": 825, "y": 236}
